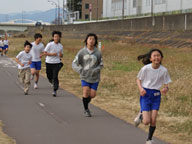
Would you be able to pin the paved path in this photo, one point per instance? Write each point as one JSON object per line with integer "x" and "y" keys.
{"x": 39, "y": 118}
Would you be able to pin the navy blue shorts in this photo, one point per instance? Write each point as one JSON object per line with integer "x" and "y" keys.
{"x": 5, "y": 47}
{"x": 90, "y": 85}
{"x": 36, "y": 65}
{"x": 151, "y": 100}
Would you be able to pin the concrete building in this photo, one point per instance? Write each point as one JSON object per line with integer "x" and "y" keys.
{"x": 92, "y": 9}
{"x": 114, "y": 8}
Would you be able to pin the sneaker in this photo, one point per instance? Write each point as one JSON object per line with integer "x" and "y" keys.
{"x": 35, "y": 86}
{"x": 25, "y": 92}
{"x": 54, "y": 93}
{"x": 87, "y": 113}
{"x": 149, "y": 142}
{"x": 138, "y": 119}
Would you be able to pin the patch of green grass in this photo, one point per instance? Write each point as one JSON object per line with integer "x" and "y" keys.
{"x": 185, "y": 127}
{"x": 127, "y": 67}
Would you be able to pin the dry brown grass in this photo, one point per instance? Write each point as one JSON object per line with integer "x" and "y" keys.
{"x": 118, "y": 93}
{"x": 4, "y": 139}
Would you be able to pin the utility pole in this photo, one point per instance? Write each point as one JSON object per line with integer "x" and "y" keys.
{"x": 181, "y": 5}
{"x": 58, "y": 13}
{"x": 57, "y": 7}
{"x": 63, "y": 11}
{"x": 123, "y": 6}
{"x": 152, "y": 13}
{"x": 97, "y": 9}
{"x": 151, "y": 7}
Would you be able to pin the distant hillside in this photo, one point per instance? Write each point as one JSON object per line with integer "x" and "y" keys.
{"x": 45, "y": 16}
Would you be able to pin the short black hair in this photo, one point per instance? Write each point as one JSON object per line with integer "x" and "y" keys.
{"x": 27, "y": 43}
{"x": 37, "y": 35}
{"x": 56, "y": 32}
{"x": 89, "y": 35}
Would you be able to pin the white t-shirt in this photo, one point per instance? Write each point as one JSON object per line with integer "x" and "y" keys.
{"x": 52, "y": 47}
{"x": 1, "y": 43}
{"x": 153, "y": 78}
{"x": 6, "y": 42}
{"x": 24, "y": 58}
{"x": 36, "y": 51}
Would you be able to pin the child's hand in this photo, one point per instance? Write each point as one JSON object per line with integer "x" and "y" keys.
{"x": 41, "y": 55}
{"x": 45, "y": 54}
{"x": 60, "y": 54}
{"x": 165, "y": 90}
{"x": 142, "y": 92}
{"x": 29, "y": 62}
{"x": 22, "y": 65}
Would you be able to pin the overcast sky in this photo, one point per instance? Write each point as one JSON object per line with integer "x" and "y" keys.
{"x": 12, "y": 6}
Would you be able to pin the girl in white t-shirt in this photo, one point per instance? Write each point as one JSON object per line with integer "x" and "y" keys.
{"x": 150, "y": 80}
{"x": 54, "y": 52}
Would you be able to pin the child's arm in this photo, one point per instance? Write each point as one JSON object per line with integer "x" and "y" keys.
{"x": 75, "y": 65}
{"x": 17, "y": 60}
{"x": 50, "y": 54}
{"x": 141, "y": 89}
{"x": 41, "y": 55}
{"x": 46, "y": 51}
{"x": 29, "y": 62}
{"x": 60, "y": 54}
{"x": 165, "y": 89}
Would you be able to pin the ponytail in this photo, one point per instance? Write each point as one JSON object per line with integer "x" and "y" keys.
{"x": 146, "y": 57}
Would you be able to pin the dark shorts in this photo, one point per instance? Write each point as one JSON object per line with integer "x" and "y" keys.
{"x": 36, "y": 65}
{"x": 5, "y": 47}
{"x": 90, "y": 85}
{"x": 151, "y": 100}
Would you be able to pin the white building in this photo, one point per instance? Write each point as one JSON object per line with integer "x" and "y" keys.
{"x": 113, "y": 8}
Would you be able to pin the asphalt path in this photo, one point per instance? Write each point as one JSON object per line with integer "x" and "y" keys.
{"x": 39, "y": 118}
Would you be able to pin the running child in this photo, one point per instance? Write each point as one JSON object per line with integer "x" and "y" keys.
{"x": 150, "y": 80}
{"x": 54, "y": 53}
{"x": 37, "y": 53}
{"x": 24, "y": 60}
{"x": 1, "y": 46}
{"x": 88, "y": 63}
{"x": 6, "y": 45}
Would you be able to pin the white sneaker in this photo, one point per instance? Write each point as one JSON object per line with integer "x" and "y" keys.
{"x": 54, "y": 93}
{"x": 35, "y": 86}
{"x": 138, "y": 119}
{"x": 87, "y": 113}
{"x": 150, "y": 142}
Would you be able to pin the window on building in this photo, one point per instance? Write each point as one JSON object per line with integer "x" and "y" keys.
{"x": 86, "y": 6}
{"x": 134, "y": 3}
{"x": 148, "y": 2}
{"x": 159, "y": 2}
{"x": 86, "y": 16}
